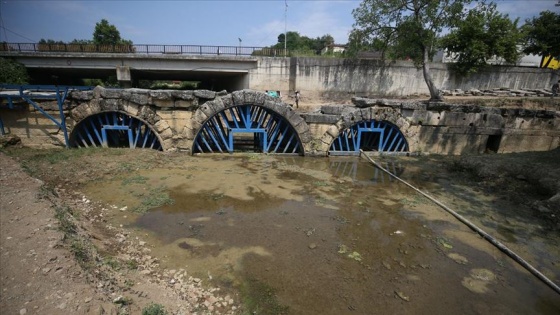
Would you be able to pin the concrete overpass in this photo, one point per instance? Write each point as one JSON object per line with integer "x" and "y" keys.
{"x": 214, "y": 72}
{"x": 256, "y": 68}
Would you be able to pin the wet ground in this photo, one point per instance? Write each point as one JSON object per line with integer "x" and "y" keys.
{"x": 301, "y": 235}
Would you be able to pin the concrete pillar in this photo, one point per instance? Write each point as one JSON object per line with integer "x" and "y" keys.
{"x": 124, "y": 77}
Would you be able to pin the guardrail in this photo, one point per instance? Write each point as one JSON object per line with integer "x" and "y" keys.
{"x": 146, "y": 49}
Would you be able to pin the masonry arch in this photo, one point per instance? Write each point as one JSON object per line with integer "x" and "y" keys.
{"x": 248, "y": 121}
{"x": 113, "y": 124}
{"x": 115, "y": 130}
{"x": 372, "y": 129}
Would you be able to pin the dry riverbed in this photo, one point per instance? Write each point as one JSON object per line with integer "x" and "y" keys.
{"x": 59, "y": 254}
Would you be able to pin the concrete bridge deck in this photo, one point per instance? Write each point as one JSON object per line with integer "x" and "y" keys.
{"x": 208, "y": 121}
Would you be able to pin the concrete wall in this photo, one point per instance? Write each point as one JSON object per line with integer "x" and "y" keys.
{"x": 364, "y": 77}
{"x": 271, "y": 74}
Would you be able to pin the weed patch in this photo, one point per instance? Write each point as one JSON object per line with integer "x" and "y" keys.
{"x": 156, "y": 198}
{"x": 154, "y": 309}
{"x": 260, "y": 298}
{"x": 137, "y": 179}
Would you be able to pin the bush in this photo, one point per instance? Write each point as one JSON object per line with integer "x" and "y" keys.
{"x": 154, "y": 309}
{"x": 12, "y": 72}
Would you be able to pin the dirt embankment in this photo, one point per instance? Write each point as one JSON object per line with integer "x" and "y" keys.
{"x": 58, "y": 254}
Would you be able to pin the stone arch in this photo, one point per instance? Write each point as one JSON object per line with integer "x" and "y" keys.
{"x": 122, "y": 108}
{"x": 353, "y": 116}
{"x": 252, "y": 98}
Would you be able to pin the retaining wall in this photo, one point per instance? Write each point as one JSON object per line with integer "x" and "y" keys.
{"x": 345, "y": 78}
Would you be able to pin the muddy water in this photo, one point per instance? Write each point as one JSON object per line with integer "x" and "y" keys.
{"x": 336, "y": 236}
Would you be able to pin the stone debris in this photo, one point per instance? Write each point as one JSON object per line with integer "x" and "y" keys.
{"x": 499, "y": 92}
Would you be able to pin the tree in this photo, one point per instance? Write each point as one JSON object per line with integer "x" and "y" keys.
{"x": 303, "y": 44}
{"x": 481, "y": 35}
{"x": 542, "y": 35}
{"x": 50, "y": 42}
{"x": 108, "y": 34}
{"x": 359, "y": 42}
{"x": 407, "y": 28}
{"x": 12, "y": 72}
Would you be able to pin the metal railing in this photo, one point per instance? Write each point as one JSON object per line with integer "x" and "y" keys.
{"x": 146, "y": 49}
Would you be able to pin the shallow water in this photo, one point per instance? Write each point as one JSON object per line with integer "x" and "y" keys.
{"x": 336, "y": 236}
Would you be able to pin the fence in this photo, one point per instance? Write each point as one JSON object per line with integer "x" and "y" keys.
{"x": 146, "y": 49}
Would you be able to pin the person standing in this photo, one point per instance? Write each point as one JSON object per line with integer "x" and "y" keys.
{"x": 297, "y": 99}
{"x": 555, "y": 88}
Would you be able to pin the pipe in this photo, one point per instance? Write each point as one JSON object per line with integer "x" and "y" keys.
{"x": 475, "y": 228}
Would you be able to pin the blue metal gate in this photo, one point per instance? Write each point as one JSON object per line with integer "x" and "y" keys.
{"x": 247, "y": 128}
{"x": 380, "y": 136}
{"x": 114, "y": 129}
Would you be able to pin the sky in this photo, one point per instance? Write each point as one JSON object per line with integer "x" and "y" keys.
{"x": 256, "y": 23}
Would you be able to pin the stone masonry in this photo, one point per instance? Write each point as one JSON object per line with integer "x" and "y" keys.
{"x": 177, "y": 116}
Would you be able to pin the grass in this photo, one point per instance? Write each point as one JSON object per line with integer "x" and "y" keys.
{"x": 156, "y": 198}
{"x": 260, "y": 298}
{"x": 112, "y": 262}
{"x": 83, "y": 249}
{"x": 65, "y": 223}
{"x": 132, "y": 264}
{"x": 154, "y": 309}
{"x": 136, "y": 179}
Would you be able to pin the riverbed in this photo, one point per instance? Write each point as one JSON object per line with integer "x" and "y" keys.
{"x": 296, "y": 235}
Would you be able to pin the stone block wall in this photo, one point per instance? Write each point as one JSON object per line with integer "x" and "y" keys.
{"x": 176, "y": 116}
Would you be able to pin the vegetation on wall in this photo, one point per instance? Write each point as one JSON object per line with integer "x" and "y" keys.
{"x": 12, "y": 72}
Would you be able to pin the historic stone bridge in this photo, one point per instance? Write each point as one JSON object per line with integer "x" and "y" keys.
{"x": 203, "y": 121}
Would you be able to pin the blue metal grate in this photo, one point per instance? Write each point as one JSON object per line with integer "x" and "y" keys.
{"x": 247, "y": 128}
{"x": 115, "y": 130}
{"x": 381, "y": 136}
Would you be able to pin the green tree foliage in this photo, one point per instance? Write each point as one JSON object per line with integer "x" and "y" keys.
{"x": 108, "y": 34}
{"x": 51, "y": 42}
{"x": 12, "y": 72}
{"x": 81, "y": 42}
{"x": 302, "y": 44}
{"x": 542, "y": 35}
{"x": 359, "y": 42}
{"x": 483, "y": 34}
{"x": 406, "y": 29}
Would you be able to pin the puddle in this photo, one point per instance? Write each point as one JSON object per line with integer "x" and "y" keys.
{"x": 327, "y": 236}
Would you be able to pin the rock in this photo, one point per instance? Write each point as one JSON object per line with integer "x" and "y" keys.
{"x": 458, "y": 258}
{"x": 23, "y": 311}
{"x": 312, "y": 246}
{"x": 402, "y": 296}
{"x": 11, "y": 140}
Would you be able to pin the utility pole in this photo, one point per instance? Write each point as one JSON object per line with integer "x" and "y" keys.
{"x": 285, "y": 28}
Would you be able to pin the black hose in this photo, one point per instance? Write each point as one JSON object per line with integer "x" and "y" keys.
{"x": 475, "y": 228}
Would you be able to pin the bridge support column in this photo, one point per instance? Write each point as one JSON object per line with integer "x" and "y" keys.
{"x": 124, "y": 77}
